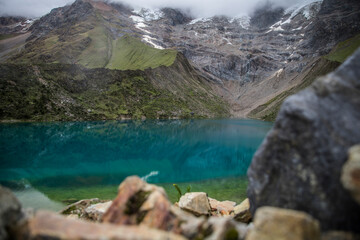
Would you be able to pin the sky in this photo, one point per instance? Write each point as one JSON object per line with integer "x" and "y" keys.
{"x": 198, "y": 8}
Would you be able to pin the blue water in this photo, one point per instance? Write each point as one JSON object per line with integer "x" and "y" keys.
{"x": 77, "y": 154}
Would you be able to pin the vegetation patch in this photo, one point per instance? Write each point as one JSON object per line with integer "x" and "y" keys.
{"x": 344, "y": 49}
{"x": 131, "y": 54}
{"x": 64, "y": 92}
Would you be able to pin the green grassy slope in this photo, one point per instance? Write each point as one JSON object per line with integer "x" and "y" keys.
{"x": 132, "y": 54}
{"x": 344, "y": 49}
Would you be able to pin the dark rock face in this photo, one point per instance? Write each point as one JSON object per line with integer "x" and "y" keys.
{"x": 61, "y": 16}
{"x": 176, "y": 16}
{"x": 10, "y": 213}
{"x": 5, "y": 21}
{"x": 336, "y": 21}
{"x": 266, "y": 16}
{"x": 299, "y": 164}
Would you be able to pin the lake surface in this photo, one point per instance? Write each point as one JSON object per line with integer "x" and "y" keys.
{"x": 50, "y": 164}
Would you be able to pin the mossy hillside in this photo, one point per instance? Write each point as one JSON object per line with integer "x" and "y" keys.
{"x": 270, "y": 109}
{"x": 130, "y": 53}
{"x": 56, "y": 92}
{"x": 344, "y": 49}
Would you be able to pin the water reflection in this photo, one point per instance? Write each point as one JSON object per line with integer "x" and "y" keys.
{"x": 51, "y": 155}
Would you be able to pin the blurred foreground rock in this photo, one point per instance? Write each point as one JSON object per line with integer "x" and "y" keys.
{"x": 274, "y": 223}
{"x": 351, "y": 173}
{"x": 140, "y": 203}
{"x": 337, "y": 235}
{"x": 48, "y": 225}
{"x": 299, "y": 164}
{"x": 10, "y": 214}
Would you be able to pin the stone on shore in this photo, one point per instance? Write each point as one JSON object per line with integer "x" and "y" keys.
{"x": 140, "y": 203}
{"x": 351, "y": 173}
{"x": 242, "y": 212}
{"x": 48, "y": 225}
{"x": 78, "y": 208}
{"x": 299, "y": 164}
{"x": 221, "y": 208}
{"x": 196, "y": 203}
{"x": 10, "y": 213}
{"x": 96, "y": 211}
{"x": 280, "y": 224}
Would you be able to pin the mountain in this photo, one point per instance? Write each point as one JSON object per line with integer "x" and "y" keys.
{"x": 244, "y": 66}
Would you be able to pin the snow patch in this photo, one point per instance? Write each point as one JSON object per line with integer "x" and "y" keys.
{"x": 199, "y": 20}
{"x": 301, "y": 7}
{"x": 243, "y": 20}
{"x": 149, "y": 14}
{"x": 278, "y": 73}
{"x": 149, "y": 39}
{"x": 137, "y": 19}
{"x": 227, "y": 40}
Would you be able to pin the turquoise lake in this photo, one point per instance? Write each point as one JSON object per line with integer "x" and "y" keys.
{"x": 48, "y": 165}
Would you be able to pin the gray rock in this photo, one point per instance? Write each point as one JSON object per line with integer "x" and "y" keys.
{"x": 196, "y": 203}
{"x": 299, "y": 164}
{"x": 350, "y": 177}
{"x": 10, "y": 213}
{"x": 242, "y": 212}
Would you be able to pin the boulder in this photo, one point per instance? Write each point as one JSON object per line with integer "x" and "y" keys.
{"x": 96, "y": 211}
{"x": 196, "y": 203}
{"x": 274, "y": 223}
{"x": 10, "y": 213}
{"x": 351, "y": 173}
{"x": 242, "y": 212}
{"x": 298, "y": 166}
{"x": 48, "y": 225}
{"x": 224, "y": 208}
{"x": 140, "y": 203}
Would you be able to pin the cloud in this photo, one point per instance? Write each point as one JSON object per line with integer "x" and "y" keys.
{"x": 30, "y": 8}
{"x": 199, "y": 8}
{"x": 208, "y": 8}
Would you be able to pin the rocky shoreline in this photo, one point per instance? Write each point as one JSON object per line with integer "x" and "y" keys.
{"x": 143, "y": 211}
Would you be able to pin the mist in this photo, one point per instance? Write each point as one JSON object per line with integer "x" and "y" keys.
{"x": 38, "y": 8}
